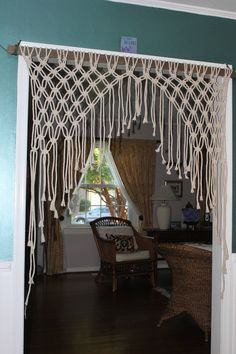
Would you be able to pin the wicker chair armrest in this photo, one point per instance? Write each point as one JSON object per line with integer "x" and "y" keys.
{"x": 107, "y": 249}
{"x": 146, "y": 243}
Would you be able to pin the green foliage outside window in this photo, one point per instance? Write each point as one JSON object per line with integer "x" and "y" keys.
{"x": 84, "y": 205}
{"x": 98, "y": 179}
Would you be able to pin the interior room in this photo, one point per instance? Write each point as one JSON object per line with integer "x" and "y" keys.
{"x": 117, "y": 231}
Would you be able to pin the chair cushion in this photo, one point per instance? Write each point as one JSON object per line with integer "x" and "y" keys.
{"x": 123, "y": 243}
{"x": 117, "y": 230}
{"x": 132, "y": 256}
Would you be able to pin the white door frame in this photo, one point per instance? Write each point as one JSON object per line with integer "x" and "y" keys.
{"x": 223, "y": 310}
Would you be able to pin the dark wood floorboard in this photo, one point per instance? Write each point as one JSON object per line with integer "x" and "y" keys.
{"x": 71, "y": 314}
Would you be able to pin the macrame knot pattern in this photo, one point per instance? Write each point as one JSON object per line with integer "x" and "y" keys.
{"x": 78, "y": 96}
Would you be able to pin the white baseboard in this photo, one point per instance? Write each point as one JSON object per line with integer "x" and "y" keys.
{"x": 81, "y": 269}
{"x": 160, "y": 265}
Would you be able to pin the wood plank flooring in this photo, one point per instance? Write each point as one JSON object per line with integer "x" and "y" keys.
{"x": 71, "y": 314}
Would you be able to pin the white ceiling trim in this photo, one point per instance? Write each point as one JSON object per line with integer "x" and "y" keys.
{"x": 181, "y": 7}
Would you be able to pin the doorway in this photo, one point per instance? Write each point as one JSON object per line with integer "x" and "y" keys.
{"x": 221, "y": 317}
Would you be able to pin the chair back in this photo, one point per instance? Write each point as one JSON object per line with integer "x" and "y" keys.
{"x": 111, "y": 225}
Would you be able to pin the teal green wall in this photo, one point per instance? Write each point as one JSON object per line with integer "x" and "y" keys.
{"x": 93, "y": 24}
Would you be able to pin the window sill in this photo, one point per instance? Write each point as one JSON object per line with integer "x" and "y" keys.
{"x": 74, "y": 226}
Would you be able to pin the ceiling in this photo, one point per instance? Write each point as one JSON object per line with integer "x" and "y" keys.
{"x": 219, "y": 8}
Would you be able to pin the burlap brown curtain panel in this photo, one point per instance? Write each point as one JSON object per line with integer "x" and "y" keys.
{"x": 52, "y": 226}
{"x": 135, "y": 161}
{"x": 53, "y": 233}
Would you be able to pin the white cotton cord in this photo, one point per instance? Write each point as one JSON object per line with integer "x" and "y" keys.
{"x": 77, "y": 152}
{"x": 161, "y": 126}
{"x": 44, "y": 175}
{"x": 31, "y": 281}
{"x": 93, "y": 133}
{"x": 200, "y": 176}
{"x": 67, "y": 158}
{"x": 153, "y": 108}
{"x": 68, "y": 175}
{"x": 146, "y": 70}
{"x": 40, "y": 195}
{"x": 128, "y": 115}
{"x": 103, "y": 136}
{"x": 109, "y": 110}
{"x": 83, "y": 145}
{"x": 48, "y": 172}
{"x": 54, "y": 180}
{"x": 100, "y": 123}
{"x": 32, "y": 224}
{"x": 33, "y": 167}
{"x": 145, "y": 96}
{"x": 112, "y": 118}
{"x": 186, "y": 168}
{"x": 122, "y": 108}
{"x": 92, "y": 137}
{"x": 193, "y": 173}
{"x": 138, "y": 98}
{"x": 71, "y": 185}
{"x": 170, "y": 162}
{"x": 72, "y": 164}
{"x": 190, "y": 167}
{"x": 64, "y": 170}
{"x": 197, "y": 175}
{"x": 128, "y": 79}
{"x": 119, "y": 110}
{"x": 134, "y": 99}
{"x": 208, "y": 181}
{"x": 178, "y": 145}
{"x": 71, "y": 102}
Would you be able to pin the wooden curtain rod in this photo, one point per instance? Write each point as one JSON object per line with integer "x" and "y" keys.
{"x": 15, "y": 50}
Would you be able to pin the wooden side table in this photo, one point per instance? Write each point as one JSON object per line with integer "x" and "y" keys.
{"x": 203, "y": 235}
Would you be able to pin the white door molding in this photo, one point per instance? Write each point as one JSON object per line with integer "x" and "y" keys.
{"x": 18, "y": 267}
{"x": 232, "y": 306}
{"x": 226, "y": 317}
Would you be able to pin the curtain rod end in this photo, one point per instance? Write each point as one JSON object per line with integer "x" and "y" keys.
{"x": 12, "y": 49}
{"x": 233, "y": 75}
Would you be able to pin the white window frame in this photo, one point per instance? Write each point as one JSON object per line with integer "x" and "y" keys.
{"x": 133, "y": 213}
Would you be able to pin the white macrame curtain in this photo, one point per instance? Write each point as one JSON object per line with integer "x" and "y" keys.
{"x": 79, "y": 94}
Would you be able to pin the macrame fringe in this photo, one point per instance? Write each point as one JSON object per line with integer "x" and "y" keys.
{"x": 76, "y": 100}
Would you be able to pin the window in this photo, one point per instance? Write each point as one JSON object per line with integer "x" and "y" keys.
{"x": 99, "y": 192}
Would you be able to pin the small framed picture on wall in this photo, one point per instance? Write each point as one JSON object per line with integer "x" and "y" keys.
{"x": 177, "y": 187}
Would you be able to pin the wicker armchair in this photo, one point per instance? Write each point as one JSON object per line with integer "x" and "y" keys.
{"x": 140, "y": 262}
{"x": 191, "y": 283}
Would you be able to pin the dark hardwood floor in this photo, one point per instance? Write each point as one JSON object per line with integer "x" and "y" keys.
{"x": 71, "y": 314}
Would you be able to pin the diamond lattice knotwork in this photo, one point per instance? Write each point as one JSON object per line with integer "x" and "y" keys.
{"x": 78, "y": 96}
